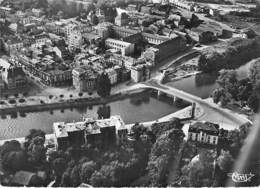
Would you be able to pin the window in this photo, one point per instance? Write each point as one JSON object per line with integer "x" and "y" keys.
{"x": 214, "y": 140}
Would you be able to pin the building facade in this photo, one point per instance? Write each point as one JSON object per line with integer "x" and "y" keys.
{"x": 204, "y": 132}
{"x": 14, "y": 77}
{"x": 84, "y": 79}
{"x": 89, "y": 131}
{"x": 125, "y": 48}
{"x": 158, "y": 53}
{"x": 140, "y": 73}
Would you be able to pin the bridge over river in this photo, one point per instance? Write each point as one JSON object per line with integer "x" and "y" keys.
{"x": 212, "y": 112}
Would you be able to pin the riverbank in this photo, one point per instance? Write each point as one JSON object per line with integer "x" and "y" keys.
{"x": 184, "y": 113}
{"x": 43, "y": 105}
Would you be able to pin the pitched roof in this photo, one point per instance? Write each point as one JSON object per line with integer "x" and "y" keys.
{"x": 203, "y": 126}
{"x": 22, "y": 177}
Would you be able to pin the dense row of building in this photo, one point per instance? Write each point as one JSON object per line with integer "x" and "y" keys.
{"x": 124, "y": 43}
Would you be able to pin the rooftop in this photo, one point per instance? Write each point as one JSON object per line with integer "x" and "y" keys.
{"x": 22, "y": 177}
{"x": 204, "y": 126}
{"x": 89, "y": 125}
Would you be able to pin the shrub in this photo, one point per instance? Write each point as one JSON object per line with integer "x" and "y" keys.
{"x": 12, "y": 101}
{"x": 21, "y": 100}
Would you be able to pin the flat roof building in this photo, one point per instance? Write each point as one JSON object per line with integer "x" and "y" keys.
{"x": 89, "y": 131}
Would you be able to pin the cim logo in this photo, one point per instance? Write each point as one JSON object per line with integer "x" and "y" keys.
{"x": 240, "y": 178}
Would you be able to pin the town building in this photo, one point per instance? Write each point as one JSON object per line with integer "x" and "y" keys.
{"x": 140, "y": 72}
{"x": 84, "y": 79}
{"x": 182, "y": 4}
{"x": 200, "y": 36}
{"x": 2, "y": 84}
{"x": 204, "y": 132}
{"x": 75, "y": 39}
{"x": 16, "y": 78}
{"x": 14, "y": 44}
{"x": 12, "y": 76}
{"x": 125, "y": 48}
{"x": 132, "y": 7}
{"x": 160, "y": 52}
{"x": 55, "y": 27}
{"x": 37, "y": 12}
{"x": 49, "y": 72}
{"x": 40, "y": 40}
{"x": 5, "y": 11}
{"x": 89, "y": 131}
{"x": 122, "y": 19}
{"x": 103, "y": 29}
{"x": 112, "y": 75}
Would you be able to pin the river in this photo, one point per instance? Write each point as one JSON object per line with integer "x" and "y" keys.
{"x": 202, "y": 85}
{"x": 139, "y": 108}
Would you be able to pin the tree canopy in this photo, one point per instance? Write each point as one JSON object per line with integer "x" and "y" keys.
{"x": 103, "y": 85}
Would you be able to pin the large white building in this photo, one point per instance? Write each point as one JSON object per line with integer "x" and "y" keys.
{"x": 141, "y": 72}
{"x": 182, "y": 4}
{"x": 125, "y": 48}
{"x": 89, "y": 131}
{"x": 75, "y": 38}
{"x": 112, "y": 75}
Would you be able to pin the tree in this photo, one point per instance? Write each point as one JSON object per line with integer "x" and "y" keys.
{"x": 217, "y": 94}
{"x": 254, "y": 70}
{"x": 59, "y": 166}
{"x": 15, "y": 161}
{"x": 109, "y": 175}
{"x": 41, "y": 4}
{"x": 80, "y": 94}
{"x": 104, "y": 112}
{"x": 163, "y": 151}
{"x": 87, "y": 169}
{"x": 200, "y": 175}
{"x": 34, "y": 133}
{"x": 253, "y": 103}
{"x": 199, "y": 172}
{"x": 36, "y": 150}
{"x": 101, "y": 4}
{"x": 75, "y": 176}
{"x": 9, "y": 146}
{"x": 138, "y": 129}
{"x": 228, "y": 81}
{"x": 103, "y": 85}
{"x": 159, "y": 128}
{"x": 225, "y": 161}
{"x": 102, "y": 177}
{"x": 60, "y": 14}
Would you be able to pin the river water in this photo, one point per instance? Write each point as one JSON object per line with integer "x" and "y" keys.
{"x": 140, "y": 108}
{"x": 203, "y": 85}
